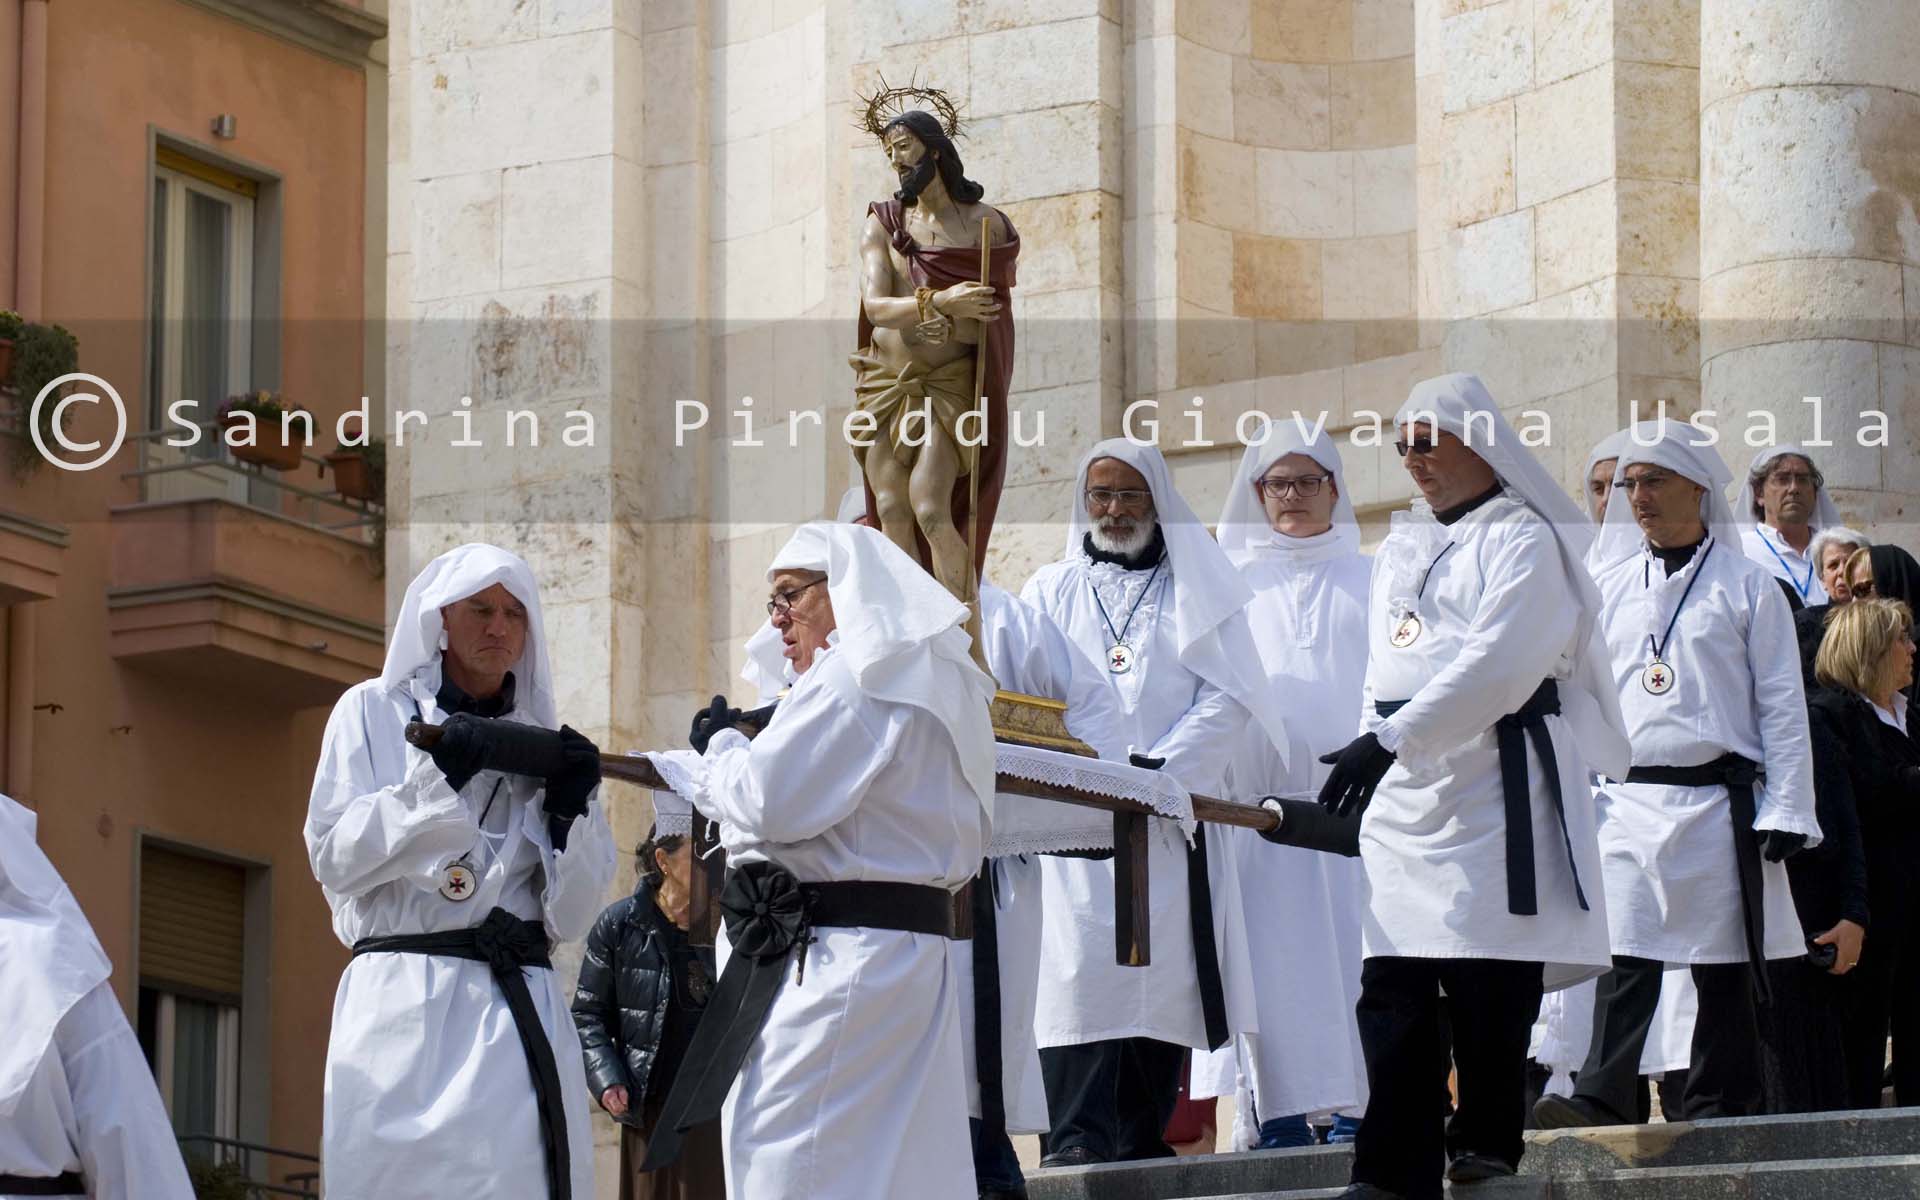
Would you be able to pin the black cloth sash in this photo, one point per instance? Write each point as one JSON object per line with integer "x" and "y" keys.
{"x": 66, "y": 1183}
{"x": 1737, "y": 773}
{"x": 1511, "y": 734}
{"x": 1206, "y": 956}
{"x": 508, "y": 945}
{"x": 769, "y": 914}
{"x": 989, "y": 1065}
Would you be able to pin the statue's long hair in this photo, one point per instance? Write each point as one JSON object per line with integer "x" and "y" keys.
{"x": 933, "y": 135}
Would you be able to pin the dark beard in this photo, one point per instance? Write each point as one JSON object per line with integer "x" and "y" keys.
{"x": 917, "y": 181}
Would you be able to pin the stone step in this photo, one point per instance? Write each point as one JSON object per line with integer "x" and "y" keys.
{"x": 1561, "y": 1156}
{"x": 1886, "y": 1177}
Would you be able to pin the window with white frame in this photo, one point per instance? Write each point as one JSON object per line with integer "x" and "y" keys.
{"x": 202, "y": 302}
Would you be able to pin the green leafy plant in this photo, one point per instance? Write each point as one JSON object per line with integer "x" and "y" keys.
{"x": 267, "y": 407}
{"x": 11, "y": 323}
{"x": 217, "y": 1181}
{"x": 41, "y": 354}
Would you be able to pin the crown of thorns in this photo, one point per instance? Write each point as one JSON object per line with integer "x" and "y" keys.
{"x": 890, "y": 102}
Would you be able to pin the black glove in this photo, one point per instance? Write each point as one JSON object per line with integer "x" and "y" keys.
{"x": 709, "y": 721}
{"x": 568, "y": 790}
{"x": 1146, "y": 761}
{"x": 1776, "y": 846}
{"x": 1357, "y": 770}
{"x": 461, "y": 753}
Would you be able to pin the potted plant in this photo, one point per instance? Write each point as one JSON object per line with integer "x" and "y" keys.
{"x": 40, "y": 354}
{"x": 360, "y": 472}
{"x": 10, "y": 326}
{"x": 274, "y": 442}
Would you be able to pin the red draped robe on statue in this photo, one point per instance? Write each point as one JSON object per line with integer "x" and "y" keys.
{"x": 942, "y": 267}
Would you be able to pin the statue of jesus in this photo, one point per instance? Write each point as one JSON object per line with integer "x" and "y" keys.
{"x": 923, "y": 308}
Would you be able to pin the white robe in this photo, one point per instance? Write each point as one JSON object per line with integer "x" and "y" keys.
{"x": 90, "y": 1107}
{"x": 1499, "y": 616}
{"x": 1028, "y": 654}
{"x": 855, "y": 1086}
{"x": 1303, "y": 907}
{"x": 1167, "y": 711}
{"x": 1673, "y": 892}
{"x": 428, "y": 1093}
{"x": 1764, "y": 545}
{"x": 1564, "y": 1033}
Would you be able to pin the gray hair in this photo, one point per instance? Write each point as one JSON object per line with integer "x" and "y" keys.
{"x": 1757, "y": 479}
{"x": 1835, "y": 535}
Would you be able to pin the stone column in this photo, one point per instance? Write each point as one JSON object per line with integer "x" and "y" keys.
{"x": 1558, "y": 189}
{"x": 1810, "y": 131}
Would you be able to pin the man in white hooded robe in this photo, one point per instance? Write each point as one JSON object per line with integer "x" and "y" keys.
{"x": 454, "y": 1067}
{"x": 1565, "y": 1029}
{"x": 1289, "y": 526}
{"x": 1782, "y": 504}
{"x": 1147, "y": 595}
{"x": 1705, "y": 660}
{"x": 863, "y": 803}
{"x": 1487, "y": 701}
{"x": 79, "y": 1114}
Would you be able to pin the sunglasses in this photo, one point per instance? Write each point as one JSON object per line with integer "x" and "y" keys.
{"x": 1420, "y": 445}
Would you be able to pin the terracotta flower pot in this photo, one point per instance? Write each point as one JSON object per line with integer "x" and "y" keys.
{"x": 352, "y": 477}
{"x": 270, "y": 448}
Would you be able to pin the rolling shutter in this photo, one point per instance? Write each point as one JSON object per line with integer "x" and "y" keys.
{"x": 192, "y": 922}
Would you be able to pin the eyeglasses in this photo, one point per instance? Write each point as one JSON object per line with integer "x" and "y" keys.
{"x": 1787, "y": 479}
{"x": 782, "y": 603}
{"x": 1638, "y": 482}
{"x": 1420, "y": 445}
{"x": 1111, "y": 498}
{"x": 1274, "y": 487}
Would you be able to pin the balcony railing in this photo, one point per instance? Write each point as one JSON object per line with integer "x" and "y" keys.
{"x": 244, "y": 1155}
{"x": 190, "y": 473}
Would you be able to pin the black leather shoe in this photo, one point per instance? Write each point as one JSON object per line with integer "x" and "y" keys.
{"x": 1571, "y": 1112}
{"x": 1476, "y": 1168}
{"x": 1366, "y": 1191}
{"x": 997, "y": 1194}
{"x": 1072, "y": 1156}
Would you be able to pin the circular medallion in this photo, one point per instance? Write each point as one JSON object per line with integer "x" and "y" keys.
{"x": 1120, "y": 659}
{"x": 1406, "y": 633}
{"x": 1657, "y": 678}
{"x": 457, "y": 882}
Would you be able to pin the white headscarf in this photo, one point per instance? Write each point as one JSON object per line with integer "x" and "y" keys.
{"x": 1207, "y": 589}
{"x": 1591, "y": 704}
{"x": 853, "y": 505}
{"x": 1824, "y": 512}
{"x": 49, "y": 957}
{"x": 1243, "y": 529}
{"x": 1678, "y": 447}
{"x": 902, "y": 634}
{"x": 461, "y": 572}
{"x": 1609, "y": 447}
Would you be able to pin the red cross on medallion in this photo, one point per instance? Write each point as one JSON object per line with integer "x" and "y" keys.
{"x": 1657, "y": 678}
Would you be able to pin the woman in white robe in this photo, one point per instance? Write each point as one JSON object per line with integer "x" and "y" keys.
{"x": 76, "y": 1097}
{"x": 1309, "y": 622}
{"x": 428, "y": 1091}
{"x": 877, "y": 767}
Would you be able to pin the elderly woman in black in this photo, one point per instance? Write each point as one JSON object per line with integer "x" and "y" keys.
{"x": 1867, "y": 771}
{"x": 642, "y": 989}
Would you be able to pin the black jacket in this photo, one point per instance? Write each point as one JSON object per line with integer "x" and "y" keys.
{"x": 620, "y": 1005}
{"x": 1863, "y": 776}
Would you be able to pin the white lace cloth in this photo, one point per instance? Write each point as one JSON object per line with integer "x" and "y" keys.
{"x": 1021, "y": 824}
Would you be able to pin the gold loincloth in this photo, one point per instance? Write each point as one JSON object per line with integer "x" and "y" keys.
{"x": 891, "y": 396}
